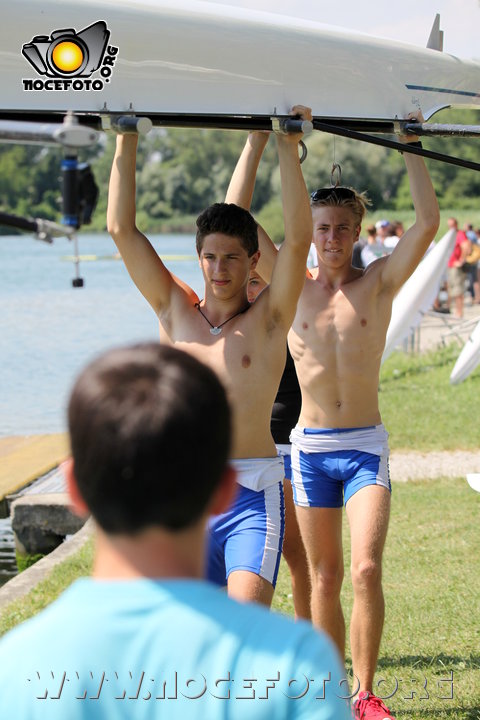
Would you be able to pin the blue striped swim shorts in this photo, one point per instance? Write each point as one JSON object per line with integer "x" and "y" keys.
{"x": 330, "y": 465}
{"x": 249, "y": 536}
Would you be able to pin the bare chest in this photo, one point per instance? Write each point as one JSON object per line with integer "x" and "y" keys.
{"x": 232, "y": 356}
{"x": 339, "y": 324}
{"x": 244, "y": 360}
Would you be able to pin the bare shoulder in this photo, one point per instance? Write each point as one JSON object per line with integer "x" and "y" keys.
{"x": 373, "y": 272}
{"x": 181, "y": 306}
{"x": 184, "y": 291}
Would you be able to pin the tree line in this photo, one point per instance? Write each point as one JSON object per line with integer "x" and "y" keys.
{"x": 181, "y": 171}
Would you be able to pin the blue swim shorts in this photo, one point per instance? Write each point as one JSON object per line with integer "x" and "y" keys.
{"x": 249, "y": 536}
{"x": 330, "y": 465}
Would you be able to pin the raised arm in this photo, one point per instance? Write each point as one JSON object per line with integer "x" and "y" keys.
{"x": 144, "y": 265}
{"x": 288, "y": 274}
{"x": 414, "y": 243}
{"x": 242, "y": 183}
{"x": 240, "y": 192}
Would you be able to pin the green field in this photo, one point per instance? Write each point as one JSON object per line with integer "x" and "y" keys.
{"x": 430, "y": 656}
{"x": 431, "y": 642}
{"x": 419, "y": 407}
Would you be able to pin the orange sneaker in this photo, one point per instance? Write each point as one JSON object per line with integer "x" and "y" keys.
{"x": 370, "y": 707}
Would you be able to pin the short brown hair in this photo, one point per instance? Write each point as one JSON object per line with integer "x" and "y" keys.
{"x": 150, "y": 437}
{"x": 228, "y": 219}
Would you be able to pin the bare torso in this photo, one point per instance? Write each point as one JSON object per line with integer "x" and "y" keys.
{"x": 249, "y": 358}
{"x": 337, "y": 340}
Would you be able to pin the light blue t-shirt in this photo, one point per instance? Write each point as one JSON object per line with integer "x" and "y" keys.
{"x": 176, "y": 649}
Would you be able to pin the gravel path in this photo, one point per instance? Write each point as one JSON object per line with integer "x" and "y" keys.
{"x": 437, "y": 329}
{"x": 417, "y": 465}
{"x": 434, "y": 331}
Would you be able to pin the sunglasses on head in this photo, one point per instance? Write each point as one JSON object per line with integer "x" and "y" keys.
{"x": 342, "y": 193}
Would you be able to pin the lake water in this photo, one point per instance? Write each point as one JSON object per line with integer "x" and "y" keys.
{"x": 49, "y": 330}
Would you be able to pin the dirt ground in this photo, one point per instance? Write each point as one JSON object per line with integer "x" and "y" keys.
{"x": 416, "y": 465}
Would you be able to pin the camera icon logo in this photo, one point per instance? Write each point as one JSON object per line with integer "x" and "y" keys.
{"x": 66, "y": 53}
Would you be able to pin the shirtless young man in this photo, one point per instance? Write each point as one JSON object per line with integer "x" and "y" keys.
{"x": 339, "y": 447}
{"x": 285, "y": 413}
{"x": 244, "y": 344}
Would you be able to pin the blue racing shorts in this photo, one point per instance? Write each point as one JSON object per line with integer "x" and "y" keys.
{"x": 249, "y": 536}
{"x": 330, "y": 465}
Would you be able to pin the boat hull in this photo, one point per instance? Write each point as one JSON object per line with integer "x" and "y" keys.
{"x": 468, "y": 359}
{"x": 417, "y": 295}
{"x": 192, "y": 58}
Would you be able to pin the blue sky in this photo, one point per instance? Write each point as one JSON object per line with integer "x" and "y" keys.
{"x": 407, "y": 21}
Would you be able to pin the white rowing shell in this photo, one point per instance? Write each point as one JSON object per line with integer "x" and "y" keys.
{"x": 473, "y": 480}
{"x": 191, "y": 57}
{"x": 417, "y": 295}
{"x": 468, "y": 359}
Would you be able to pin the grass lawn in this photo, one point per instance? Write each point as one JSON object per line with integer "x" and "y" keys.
{"x": 42, "y": 594}
{"x": 430, "y": 656}
{"x": 419, "y": 407}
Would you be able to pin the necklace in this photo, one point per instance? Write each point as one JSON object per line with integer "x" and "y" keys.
{"x": 217, "y": 329}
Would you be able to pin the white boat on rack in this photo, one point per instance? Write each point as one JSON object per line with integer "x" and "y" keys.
{"x": 180, "y": 60}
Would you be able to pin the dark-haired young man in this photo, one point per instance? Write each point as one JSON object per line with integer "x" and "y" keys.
{"x": 146, "y": 637}
{"x": 339, "y": 446}
{"x": 243, "y": 343}
{"x": 285, "y": 412}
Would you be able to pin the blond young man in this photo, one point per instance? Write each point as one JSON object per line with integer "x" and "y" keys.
{"x": 340, "y": 447}
{"x": 245, "y": 345}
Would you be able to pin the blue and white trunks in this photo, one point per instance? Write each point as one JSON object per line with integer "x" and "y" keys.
{"x": 249, "y": 536}
{"x": 330, "y": 465}
{"x": 258, "y": 473}
{"x": 285, "y": 452}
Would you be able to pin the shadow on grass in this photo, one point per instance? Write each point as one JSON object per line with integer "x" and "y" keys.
{"x": 457, "y": 712}
{"x": 428, "y": 686}
{"x": 403, "y": 366}
{"x": 439, "y": 662}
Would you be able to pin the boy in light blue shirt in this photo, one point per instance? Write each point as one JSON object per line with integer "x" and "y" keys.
{"x": 146, "y": 636}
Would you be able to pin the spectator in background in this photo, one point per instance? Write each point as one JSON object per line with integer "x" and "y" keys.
{"x": 476, "y": 285}
{"x": 358, "y": 247}
{"x": 373, "y": 249}
{"x": 456, "y": 272}
{"x": 470, "y": 232}
{"x": 472, "y": 262}
{"x": 383, "y": 230}
{"x": 396, "y": 230}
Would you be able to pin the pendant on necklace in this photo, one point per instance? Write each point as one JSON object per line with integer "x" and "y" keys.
{"x": 217, "y": 329}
